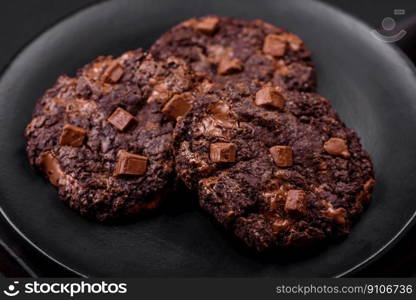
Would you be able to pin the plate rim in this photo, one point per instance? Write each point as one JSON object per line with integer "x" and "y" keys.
{"x": 3, "y": 71}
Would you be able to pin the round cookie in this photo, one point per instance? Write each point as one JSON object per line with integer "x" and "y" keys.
{"x": 104, "y": 137}
{"x": 276, "y": 167}
{"x": 233, "y": 49}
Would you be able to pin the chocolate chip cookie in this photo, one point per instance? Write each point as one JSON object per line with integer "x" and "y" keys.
{"x": 275, "y": 167}
{"x": 104, "y": 137}
{"x": 229, "y": 49}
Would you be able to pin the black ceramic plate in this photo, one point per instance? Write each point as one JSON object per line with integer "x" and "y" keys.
{"x": 370, "y": 83}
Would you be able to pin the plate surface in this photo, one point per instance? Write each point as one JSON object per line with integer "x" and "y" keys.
{"x": 370, "y": 83}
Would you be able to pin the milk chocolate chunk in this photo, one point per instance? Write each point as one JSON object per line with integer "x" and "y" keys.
{"x": 282, "y": 155}
{"x": 72, "y": 136}
{"x": 229, "y": 66}
{"x": 365, "y": 195}
{"x": 121, "y": 119}
{"x": 207, "y": 25}
{"x": 279, "y": 225}
{"x": 177, "y": 106}
{"x": 130, "y": 164}
{"x": 268, "y": 96}
{"x": 222, "y": 152}
{"x": 274, "y": 45}
{"x": 113, "y": 73}
{"x": 295, "y": 203}
{"x": 294, "y": 41}
{"x": 50, "y": 166}
{"x": 337, "y": 215}
{"x": 230, "y": 215}
{"x": 337, "y": 146}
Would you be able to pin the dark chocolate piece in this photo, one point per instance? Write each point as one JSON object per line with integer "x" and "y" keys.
{"x": 50, "y": 166}
{"x": 113, "y": 73}
{"x": 229, "y": 65}
{"x": 121, "y": 119}
{"x": 282, "y": 155}
{"x": 337, "y": 146}
{"x": 222, "y": 152}
{"x": 274, "y": 45}
{"x": 269, "y": 97}
{"x": 130, "y": 164}
{"x": 177, "y": 106}
{"x": 207, "y": 25}
{"x": 72, "y": 136}
{"x": 295, "y": 203}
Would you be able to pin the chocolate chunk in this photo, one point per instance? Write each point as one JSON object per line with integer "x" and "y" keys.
{"x": 337, "y": 146}
{"x": 50, "y": 166}
{"x": 121, "y": 119}
{"x": 113, "y": 73}
{"x": 279, "y": 225}
{"x": 295, "y": 204}
{"x": 365, "y": 195}
{"x": 207, "y": 25}
{"x": 295, "y": 43}
{"x": 274, "y": 45}
{"x": 369, "y": 184}
{"x": 229, "y": 66}
{"x": 222, "y": 152}
{"x": 130, "y": 164}
{"x": 72, "y": 136}
{"x": 275, "y": 198}
{"x": 337, "y": 215}
{"x": 177, "y": 106}
{"x": 206, "y": 86}
{"x": 274, "y": 204}
{"x": 269, "y": 96}
{"x": 230, "y": 216}
{"x": 362, "y": 199}
{"x": 282, "y": 155}
{"x": 81, "y": 107}
{"x": 83, "y": 87}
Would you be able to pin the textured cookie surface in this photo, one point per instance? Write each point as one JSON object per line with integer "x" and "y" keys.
{"x": 277, "y": 168}
{"x": 228, "y": 48}
{"x": 104, "y": 138}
